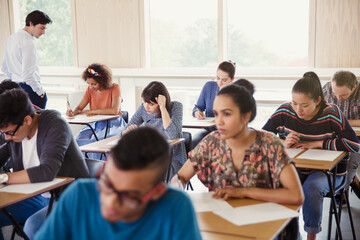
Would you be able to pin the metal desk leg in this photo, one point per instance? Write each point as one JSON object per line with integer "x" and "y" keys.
{"x": 16, "y": 224}
{"x": 107, "y": 128}
{"x": 51, "y": 202}
{"x": 93, "y": 131}
{"x": 333, "y": 205}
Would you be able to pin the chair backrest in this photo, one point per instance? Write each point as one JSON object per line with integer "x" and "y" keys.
{"x": 93, "y": 166}
{"x": 125, "y": 115}
{"x": 188, "y": 140}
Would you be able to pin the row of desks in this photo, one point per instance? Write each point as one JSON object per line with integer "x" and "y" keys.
{"x": 211, "y": 225}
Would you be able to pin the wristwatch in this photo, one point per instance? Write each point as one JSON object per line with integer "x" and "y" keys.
{"x": 4, "y": 178}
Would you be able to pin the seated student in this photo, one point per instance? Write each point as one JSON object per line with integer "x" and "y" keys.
{"x": 41, "y": 147}
{"x": 225, "y": 75}
{"x": 128, "y": 200}
{"x": 104, "y": 97}
{"x": 165, "y": 115}
{"x": 309, "y": 122}
{"x": 344, "y": 91}
{"x": 236, "y": 161}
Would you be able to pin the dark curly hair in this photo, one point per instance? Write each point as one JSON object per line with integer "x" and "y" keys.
{"x": 100, "y": 73}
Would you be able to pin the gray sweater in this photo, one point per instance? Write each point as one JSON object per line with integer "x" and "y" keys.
{"x": 58, "y": 152}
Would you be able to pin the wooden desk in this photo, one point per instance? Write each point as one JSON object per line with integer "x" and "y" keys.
{"x": 357, "y": 131}
{"x": 83, "y": 119}
{"x": 214, "y": 227}
{"x": 8, "y": 199}
{"x": 196, "y": 123}
{"x": 316, "y": 164}
{"x": 105, "y": 145}
{"x": 326, "y": 167}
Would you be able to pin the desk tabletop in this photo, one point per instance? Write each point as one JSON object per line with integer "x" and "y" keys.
{"x": 327, "y": 165}
{"x": 85, "y": 119}
{"x": 215, "y": 227}
{"x": 196, "y": 123}
{"x": 8, "y": 199}
{"x": 356, "y": 130}
{"x": 105, "y": 145}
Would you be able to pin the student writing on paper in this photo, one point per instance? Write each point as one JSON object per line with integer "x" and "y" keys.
{"x": 237, "y": 161}
{"x": 104, "y": 97}
{"x": 41, "y": 147}
{"x": 309, "y": 122}
{"x": 225, "y": 75}
{"x": 128, "y": 200}
{"x": 344, "y": 91}
{"x": 165, "y": 115}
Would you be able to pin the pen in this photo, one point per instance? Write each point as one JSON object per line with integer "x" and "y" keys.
{"x": 68, "y": 105}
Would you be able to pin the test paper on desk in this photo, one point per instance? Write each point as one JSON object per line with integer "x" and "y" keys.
{"x": 292, "y": 152}
{"x": 320, "y": 155}
{"x": 257, "y": 213}
{"x": 204, "y": 202}
{"x": 28, "y": 188}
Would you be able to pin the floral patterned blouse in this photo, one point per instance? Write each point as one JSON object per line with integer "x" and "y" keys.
{"x": 262, "y": 165}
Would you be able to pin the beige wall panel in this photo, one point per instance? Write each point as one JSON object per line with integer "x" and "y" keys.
{"x": 5, "y": 26}
{"x": 108, "y": 32}
{"x": 337, "y": 33}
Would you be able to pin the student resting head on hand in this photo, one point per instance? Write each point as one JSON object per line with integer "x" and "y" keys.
{"x": 157, "y": 110}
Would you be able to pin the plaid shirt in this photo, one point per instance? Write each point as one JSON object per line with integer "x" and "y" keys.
{"x": 349, "y": 107}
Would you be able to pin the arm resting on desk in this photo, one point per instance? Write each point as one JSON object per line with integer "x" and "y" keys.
{"x": 18, "y": 177}
{"x": 290, "y": 193}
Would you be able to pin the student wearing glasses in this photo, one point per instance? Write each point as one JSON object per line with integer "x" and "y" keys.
{"x": 165, "y": 115}
{"x": 128, "y": 200}
{"x": 104, "y": 97}
{"x": 41, "y": 147}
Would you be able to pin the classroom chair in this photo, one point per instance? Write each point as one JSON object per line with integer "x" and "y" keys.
{"x": 343, "y": 192}
{"x": 93, "y": 165}
{"x": 125, "y": 116}
{"x": 188, "y": 142}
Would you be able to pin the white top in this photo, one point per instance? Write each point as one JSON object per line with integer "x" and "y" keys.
{"x": 20, "y": 62}
{"x": 30, "y": 155}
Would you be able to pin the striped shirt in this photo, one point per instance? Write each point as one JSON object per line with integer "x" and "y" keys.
{"x": 350, "y": 107}
{"x": 329, "y": 125}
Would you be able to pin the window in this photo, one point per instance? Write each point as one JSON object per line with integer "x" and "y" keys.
{"x": 183, "y": 33}
{"x": 260, "y": 33}
{"x": 55, "y": 47}
{"x": 264, "y": 33}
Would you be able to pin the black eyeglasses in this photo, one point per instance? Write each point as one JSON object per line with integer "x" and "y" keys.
{"x": 12, "y": 133}
{"x": 124, "y": 197}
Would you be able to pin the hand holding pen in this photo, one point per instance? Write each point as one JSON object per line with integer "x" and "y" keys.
{"x": 291, "y": 140}
{"x": 69, "y": 112}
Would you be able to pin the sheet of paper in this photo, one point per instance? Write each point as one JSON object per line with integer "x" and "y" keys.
{"x": 203, "y": 202}
{"x": 320, "y": 155}
{"x": 195, "y": 121}
{"x": 292, "y": 152}
{"x": 257, "y": 213}
{"x": 28, "y": 188}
